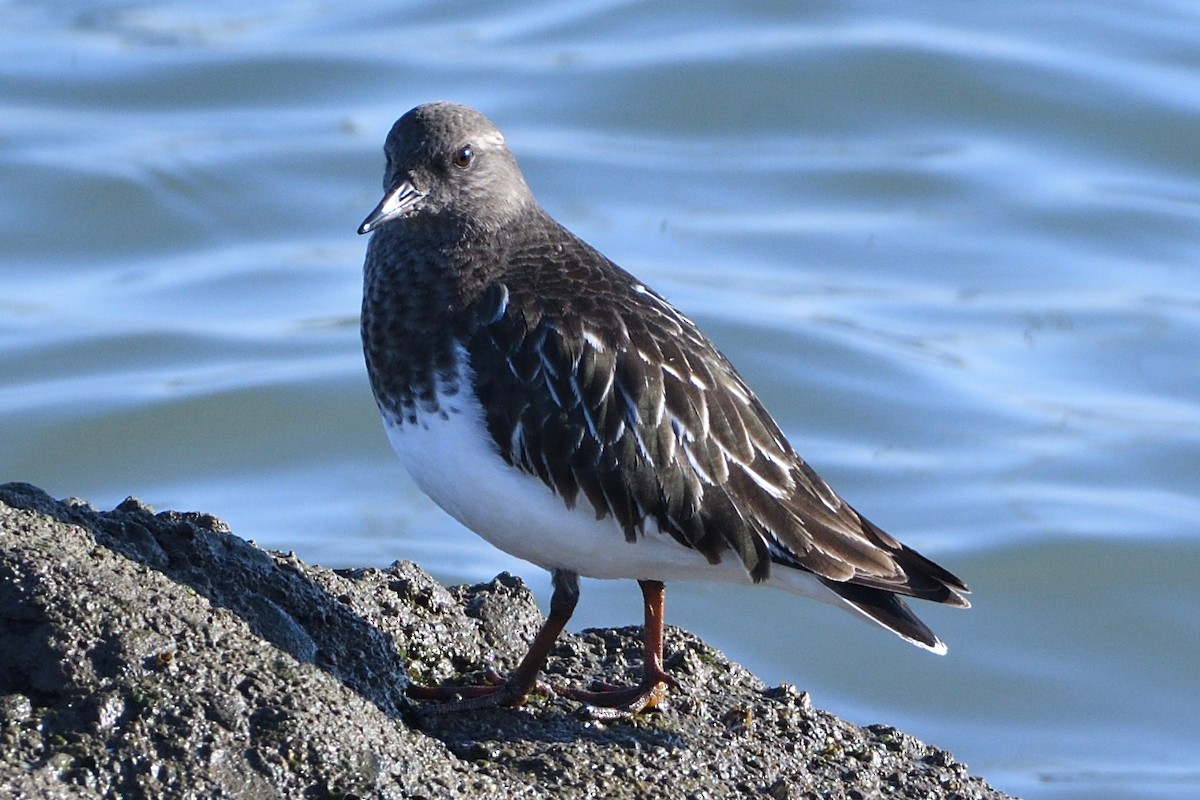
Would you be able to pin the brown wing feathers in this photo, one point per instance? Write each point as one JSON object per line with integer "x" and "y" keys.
{"x": 645, "y": 419}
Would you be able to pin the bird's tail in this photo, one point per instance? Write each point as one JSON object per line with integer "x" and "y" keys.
{"x": 875, "y": 598}
{"x": 888, "y": 611}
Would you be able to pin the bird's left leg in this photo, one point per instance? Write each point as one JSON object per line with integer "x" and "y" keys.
{"x": 611, "y": 702}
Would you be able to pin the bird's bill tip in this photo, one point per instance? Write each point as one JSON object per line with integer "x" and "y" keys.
{"x": 395, "y": 203}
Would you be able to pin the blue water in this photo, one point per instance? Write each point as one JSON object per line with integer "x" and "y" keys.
{"x": 953, "y": 247}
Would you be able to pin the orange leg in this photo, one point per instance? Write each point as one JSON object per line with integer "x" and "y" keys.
{"x": 513, "y": 690}
{"x": 605, "y": 701}
{"x": 611, "y": 702}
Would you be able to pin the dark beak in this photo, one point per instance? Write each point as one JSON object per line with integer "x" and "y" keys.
{"x": 396, "y": 203}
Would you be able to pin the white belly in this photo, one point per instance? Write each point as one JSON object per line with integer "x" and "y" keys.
{"x": 453, "y": 460}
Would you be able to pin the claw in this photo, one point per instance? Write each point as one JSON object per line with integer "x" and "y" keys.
{"x": 607, "y": 701}
{"x": 498, "y": 692}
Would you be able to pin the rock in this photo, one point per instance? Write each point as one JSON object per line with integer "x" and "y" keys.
{"x": 148, "y": 655}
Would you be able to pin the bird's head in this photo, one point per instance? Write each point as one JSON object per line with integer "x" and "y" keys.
{"x": 448, "y": 166}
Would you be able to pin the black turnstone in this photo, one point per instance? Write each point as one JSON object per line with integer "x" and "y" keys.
{"x": 568, "y": 414}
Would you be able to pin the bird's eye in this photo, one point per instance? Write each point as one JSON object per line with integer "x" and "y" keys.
{"x": 464, "y": 157}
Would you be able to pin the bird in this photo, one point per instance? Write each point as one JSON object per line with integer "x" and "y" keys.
{"x": 568, "y": 414}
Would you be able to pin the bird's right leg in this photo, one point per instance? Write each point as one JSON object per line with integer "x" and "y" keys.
{"x": 513, "y": 690}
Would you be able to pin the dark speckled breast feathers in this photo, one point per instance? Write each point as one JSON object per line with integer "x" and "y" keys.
{"x": 493, "y": 334}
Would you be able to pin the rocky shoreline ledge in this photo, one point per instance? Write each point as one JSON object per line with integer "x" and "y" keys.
{"x": 157, "y": 655}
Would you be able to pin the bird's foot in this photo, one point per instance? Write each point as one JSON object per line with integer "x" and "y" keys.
{"x": 608, "y": 702}
{"x": 497, "y": 692}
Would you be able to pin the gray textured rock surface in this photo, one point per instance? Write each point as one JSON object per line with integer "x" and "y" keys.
{"x": 158, "y": 655}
